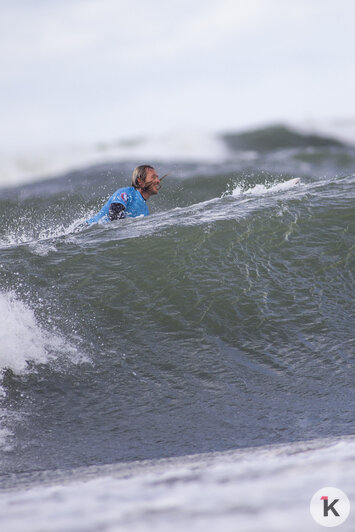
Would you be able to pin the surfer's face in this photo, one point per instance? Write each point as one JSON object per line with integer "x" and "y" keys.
{"x": 152, "y": 182}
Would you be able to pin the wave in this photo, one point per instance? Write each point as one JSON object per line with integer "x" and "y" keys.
{"x": 242, "y": 147}
{"x": 41, "y": 234}
{"x": 275, "y": 138}
{"x": 219, "y": 321}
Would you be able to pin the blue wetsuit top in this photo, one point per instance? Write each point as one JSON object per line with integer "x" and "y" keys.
{"x": 124, "y": 202}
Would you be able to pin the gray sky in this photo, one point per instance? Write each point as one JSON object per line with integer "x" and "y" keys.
{"x": 91, "y": 70}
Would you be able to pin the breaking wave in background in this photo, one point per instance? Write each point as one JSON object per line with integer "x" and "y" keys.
{"x": 26, "y": 166}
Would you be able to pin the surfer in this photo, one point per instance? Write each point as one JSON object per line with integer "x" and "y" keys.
{"x": 131, "y": 201}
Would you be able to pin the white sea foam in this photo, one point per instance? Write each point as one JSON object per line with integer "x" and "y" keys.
{"x": 266, "y": 489}
{"x": 19, "y": 168}
{"x": 23, "y": 340}
{"x": 261, "y": 190}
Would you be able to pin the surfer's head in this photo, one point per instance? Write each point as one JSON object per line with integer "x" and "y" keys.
{"x": 146, "y": 180}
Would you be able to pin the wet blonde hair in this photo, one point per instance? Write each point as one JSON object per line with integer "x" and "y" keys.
{"x": 140, "y": 172}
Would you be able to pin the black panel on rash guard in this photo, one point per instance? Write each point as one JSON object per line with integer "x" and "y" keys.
{"x": 116, "y": 211}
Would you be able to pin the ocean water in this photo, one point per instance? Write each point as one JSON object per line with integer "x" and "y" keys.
{"x": 191, "y": 369}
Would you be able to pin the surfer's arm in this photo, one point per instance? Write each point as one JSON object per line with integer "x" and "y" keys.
{"x": 116, "y": 211}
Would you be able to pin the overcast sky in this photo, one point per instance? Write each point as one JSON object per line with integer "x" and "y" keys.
{"x": 92, "y": 70}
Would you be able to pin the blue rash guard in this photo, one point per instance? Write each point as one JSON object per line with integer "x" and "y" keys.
{"x": 129, "y": 200}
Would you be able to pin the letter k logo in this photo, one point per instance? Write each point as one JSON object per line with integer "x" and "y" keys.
{"x": 327, "y": 507}
{"x": 331, "y": 509}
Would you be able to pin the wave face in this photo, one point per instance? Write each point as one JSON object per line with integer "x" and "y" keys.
{"x": 222, "y": 321}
